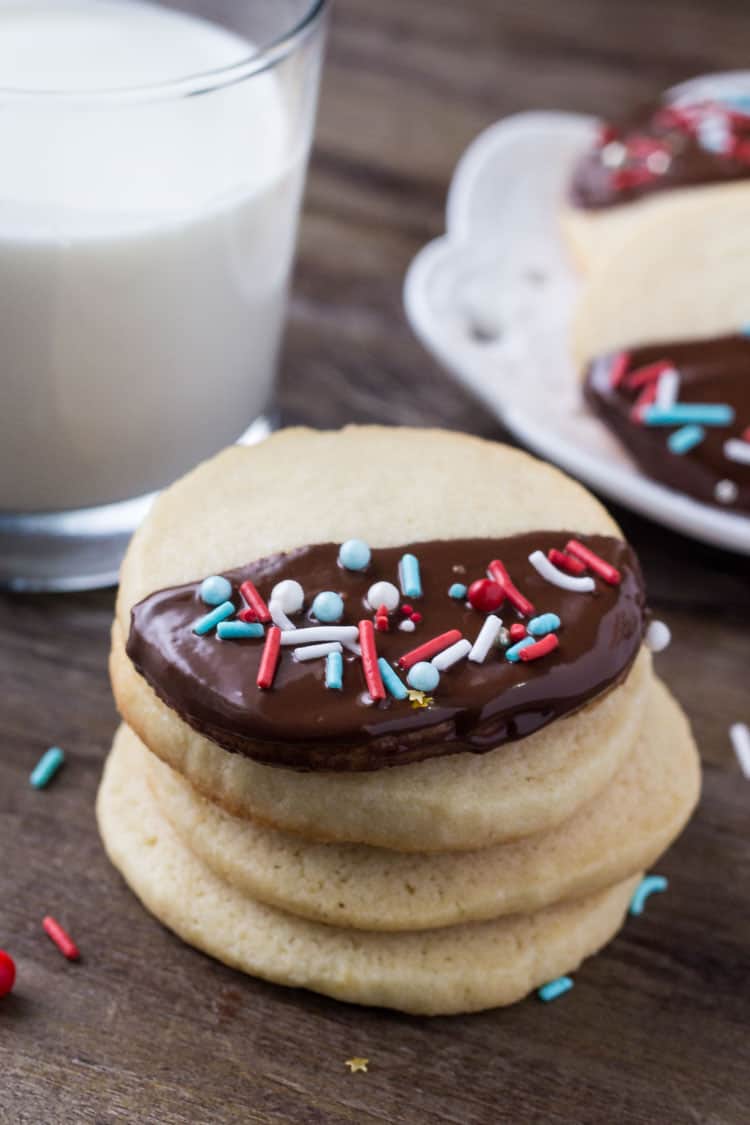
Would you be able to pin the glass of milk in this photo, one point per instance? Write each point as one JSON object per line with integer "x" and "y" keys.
{"x": 153, "y": 162}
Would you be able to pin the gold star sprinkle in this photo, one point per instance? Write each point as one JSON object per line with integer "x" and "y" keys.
{"x": 356, "y": 1064}
{"x": 419, "y": 698}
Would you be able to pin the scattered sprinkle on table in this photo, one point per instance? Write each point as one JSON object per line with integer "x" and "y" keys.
{"x": 740, "y": 736}
{"x": 46, "y": 767}
{"x": 554, "y": 988}
{"x": 651, "y": 884}
{"x": 61, "y": 938}
{"x": 357, "y": 1064}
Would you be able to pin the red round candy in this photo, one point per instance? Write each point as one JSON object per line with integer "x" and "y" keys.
{"x": 406, "y": 610}
{"x": 517, "y": 632}
{"x": 415, "y": 616}
{"x": 486, "y": 595}
{"x": 7, "y": 973}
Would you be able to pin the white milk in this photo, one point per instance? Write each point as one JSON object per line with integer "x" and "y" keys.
{"x": 145, "y": 247}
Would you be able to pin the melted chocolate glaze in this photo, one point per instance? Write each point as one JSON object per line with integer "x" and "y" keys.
{"x": 713, "y": 370}
{"x": 595, "y": 186}
{"x": 300, "y": 723}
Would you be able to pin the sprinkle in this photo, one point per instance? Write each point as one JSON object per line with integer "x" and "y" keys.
{"x": 600, "y": 566}
{"x": 391, "y": 681}
{"x": 416, "y": 617}
{"x": 704, "y": 413}
{"x": 314, "y": 633}
{"x": 279, "y": 618}
{"x": 514, "y": 652}
{"x": 312, "y": 652}
{"x": 485, "y": 595}
{"x": 486, "y": 638}
{"x": 503, "y": 637}
{"x": 746, "y": 434}
{"x": 649, "y": 885}
{"x": 423, "y": 676}
{"x": 450, "y": 656}
{"x": 642, "y": 376}
{"x": 541, "y": 648}
{"x": 255, "y": 601}
{"x": 517, "y": 631}
{"x": 354, "y": 554}
{"x": 407, "y": 610}
{"x": 62, "y": 940}
{"x": 686, "y": 438}
{"x": 381, "y": 622}
{"x": 499, "y": 574}
{"x": 383, "y": 593}
{"x": 745, "y": 329}
{"x": 270, "y": 657}
{"x": 211, "y": 620}
{"x": 288, "y": 596}
{"x": 248, "y": 615}
{"x": 667, "y": 389}
{"x": 557, "y": 578}
{"x": 726, "y": 491}
{"x": 328, "y": 607}
{"x": 554, "y": 988}
{"x": 566, "y": 562}
{"x": 7, "y": 973}
{"x": 429, "y": 649}
{"x": 238, "y": 630}
{"x": 618, "y": 370}
{"x": 419, "y": 699}
{"x": 370, "y": 661}
{"x": 658, "y": 636}
{"x": 644, "y": 402}
{"x": 409, "y": 577}
{"x": 546, "y": 623}
{"x": 215, "y": 590}
{"x": 407, "y": 626}
{"x": 457, "y": 591}
{"x": 740, "y": 736}
{"x": 46, "y": 767}
{"x": 356, "y": 1064}
{"x": 335, "y": 671}
{"x": 736, "y": 450}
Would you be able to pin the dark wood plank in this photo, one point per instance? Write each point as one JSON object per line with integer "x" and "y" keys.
{"x": 146, "y": 1030}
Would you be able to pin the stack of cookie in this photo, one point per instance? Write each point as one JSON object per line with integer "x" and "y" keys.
{"x": 390, "y": 731}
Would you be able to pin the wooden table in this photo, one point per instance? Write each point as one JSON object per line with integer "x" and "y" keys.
{"x": 147, "y": 1030}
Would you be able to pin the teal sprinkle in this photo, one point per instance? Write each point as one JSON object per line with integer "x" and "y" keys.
{"x": 411, "y": 581}
{"x": 545, "y": 623}
{"x": 745, "y": 329}
{"x": 514, "y": 653}
{"x": 686, "y": 438}
{"x": 652, "y": 884}
{"x": 46, "y": 767}
{"x": 457, "y": 591}
{"x": 391, "y": 681}
{"x": 704, "y": 413}
{"x": 554, "y": 988}
{"x": 335, "y": 671}
{"x": 205, "y": 624}
{"x": 238, "y": 630}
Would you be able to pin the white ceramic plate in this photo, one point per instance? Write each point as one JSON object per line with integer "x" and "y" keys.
{"x": 493, "y": 298}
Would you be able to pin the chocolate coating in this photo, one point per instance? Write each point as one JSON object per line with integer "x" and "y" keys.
{"x": 300, "y": 723}
{"x": 714, "y": 370}
{"x": 595, "y": 185}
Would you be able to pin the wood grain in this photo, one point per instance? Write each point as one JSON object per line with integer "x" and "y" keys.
{"x": 146, "y": 1030}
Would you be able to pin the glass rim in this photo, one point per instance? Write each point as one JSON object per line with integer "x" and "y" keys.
{"x": 196, "y": 83}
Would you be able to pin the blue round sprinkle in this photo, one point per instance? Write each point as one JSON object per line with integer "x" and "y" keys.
{"x": 328, "y": 607}
{"x": 354, "y": 554}
{"x": 457, "y": 591}
{"x": 423, "y": 676}
{"x": 215, "y": 590}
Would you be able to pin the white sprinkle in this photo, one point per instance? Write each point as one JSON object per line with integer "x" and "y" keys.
{"x": 658, "y": 636}
{"x": 407, "y": 626}
{"x": 350, "y": 646}
{"x": 450, "y": 656}
{"x": 740, "y": 736}
{"x": 316, "y": 633}
{"x": 613, "y": 154}
{"x": 737, "y": 450}
{"x": 667, "y": 389}
{"x": 548, "y": 570}
{"x": 383, "y": 593}
{"x": 488, "y": 634}
{"x": 312, "y": 652}
{"x": 726, "y": 492}
{"x": 279, "y": 617}
{"x": 288, "y": 595}
{"x": 658, "y": 162}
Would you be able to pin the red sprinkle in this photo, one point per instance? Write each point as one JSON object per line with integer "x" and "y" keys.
{"x": 619, "y": 368}
{"x": 7, "y": 973}
{"x": 248, "y": 615}
{"x": 628, "y": 178}
{"x": 648, "y": 374}
{"x": 406, "y": 610}
{"x": 415, "y": 616}
{"x": 746, "y": 434}
{"x": 269, "y": 660}
{"x": 540, "y": 648}
{"x": 566, "y": 562}
{"x": 373, "y": 679}
{"x": 607, "y": 133}
{"x": 255, "y": 601}
{"x": 429, "y": 649}
{"x": 499, "y": 574}
{"x": 517, "y": 632}
{"x": 594, "y": 562}
{"x": 646, "y": 398}
{"x": 381, "y": 623}
{"x": 62, "y": 940}
{"x": 485, "y": 595}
